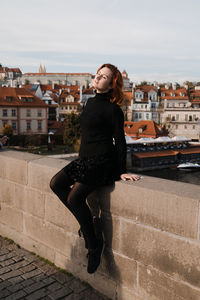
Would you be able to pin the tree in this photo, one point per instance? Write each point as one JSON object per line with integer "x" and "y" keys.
{"x": 72, "y": 131}
{"x": 7, "y": 130}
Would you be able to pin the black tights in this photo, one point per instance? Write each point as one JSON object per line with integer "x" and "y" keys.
{"x": 74, "y": 198}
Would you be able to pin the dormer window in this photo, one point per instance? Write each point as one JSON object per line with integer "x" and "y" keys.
{"x": 8, "y": 98}
{"x": 172, "y": 94}
{"x": 182, "y": 94}
{"x": 162, "y": 94}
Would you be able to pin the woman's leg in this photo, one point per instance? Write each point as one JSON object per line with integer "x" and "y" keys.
{"x": 75, "y": 200}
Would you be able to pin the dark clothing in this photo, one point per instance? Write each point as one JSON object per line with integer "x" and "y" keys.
{"x": 102, "y": 155}
{"x": 100, "y": 162}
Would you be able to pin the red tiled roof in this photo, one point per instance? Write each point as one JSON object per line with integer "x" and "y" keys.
{"x": 150, "y": 129}
{"x": 177, "y": 93}
{"x": 156, "y": 153}
{"x": 16, "y": 93}
{"x": 145, "y": 88}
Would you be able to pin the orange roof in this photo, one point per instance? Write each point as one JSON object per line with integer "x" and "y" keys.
{"x": 145, "y": 88}
{"x": 149, "y": 129}
{"x": 15, "y": 94}
{"x": 177, "y": 92}
{"x": 156, "y": 154}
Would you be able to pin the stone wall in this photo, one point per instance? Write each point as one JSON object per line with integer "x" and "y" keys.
{"x": 151, "y": 230}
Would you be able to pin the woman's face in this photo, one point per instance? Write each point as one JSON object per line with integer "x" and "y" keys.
{"x": 103, "y": 80}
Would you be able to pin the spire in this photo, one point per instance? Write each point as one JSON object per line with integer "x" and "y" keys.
{"x": 44, "y": 69}
{"x": 40, "y": 69}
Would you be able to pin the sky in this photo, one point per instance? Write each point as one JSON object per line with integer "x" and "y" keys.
{"x": 150, "y": 39}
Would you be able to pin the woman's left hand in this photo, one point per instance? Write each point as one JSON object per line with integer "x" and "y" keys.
{"x": 132, "y": 177}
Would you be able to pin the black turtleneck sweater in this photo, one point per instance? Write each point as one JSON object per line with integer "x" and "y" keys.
{"x": 102, "y": 130}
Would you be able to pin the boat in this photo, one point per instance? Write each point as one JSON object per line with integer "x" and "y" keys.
{"x": 188, "y": 166}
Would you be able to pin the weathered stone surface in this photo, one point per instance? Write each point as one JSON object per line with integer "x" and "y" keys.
{"x": 170, "y": 209}
{"x": 29, "y": 200}
{"x": 111, "y": 230}
{"x": 7, "y": 194}
{"x": 11, "y": 217}
{"x": 42, "y": 170}
{"x": 47, "y": 234}
{"x": 15, "y": 165}
{"x": 179, "y": 258}
{"x": 58, "y": 214}
{"x": 123, "y": 293}
{"x": 154, "y": 285}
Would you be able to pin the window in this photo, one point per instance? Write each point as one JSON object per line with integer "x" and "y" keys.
{"x": 140, "y": 115}
{"x": 5, "y": 113}
{"x": 190, "y": 118}
{"x": 28, "y": 112}
{"x": 8, "y": 98}
{"x": 185, "y": 126}
{"x": 39, "y": 125}
{"x": 176, "y": 126}
{"x": 147, "y": 116}
{"x": 28, "y": 125}
{"x": 186, "y": 117}
{"x": 14, "y": 125}
{"x": 13, "y": 112}
{"x": 193, "y": 127}
{"x": 136, "y": 116}
{"x": 39, "y": 113}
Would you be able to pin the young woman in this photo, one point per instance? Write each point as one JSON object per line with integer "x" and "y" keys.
{"x": 102, "y": 156}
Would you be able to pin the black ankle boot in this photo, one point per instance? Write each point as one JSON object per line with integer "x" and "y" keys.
{"x": 94, "y": 256}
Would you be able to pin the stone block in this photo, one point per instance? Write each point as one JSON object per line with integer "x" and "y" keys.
{"x": 127, "y": 269}
{"x": 111, "y": 231}
{"x": 42, "y": 170}
{"x": 29, "y": 200}
{"x": 155, "y": 285}
{"x": 7, "y": 194}
{"x": 59, "y": 215}
{"x": 123, "y": 293}
{"x": 47, "y": 234}
{"x": 11, "y": 217}
{"x": 15, "y": 165}
{"x": 167, "y": 209}
{"x": 175, "y": 256}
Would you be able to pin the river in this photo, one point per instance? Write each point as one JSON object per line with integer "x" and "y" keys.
{"x": 177, "y": 175}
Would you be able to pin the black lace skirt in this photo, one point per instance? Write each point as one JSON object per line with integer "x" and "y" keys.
{"x": 97, "y": 170}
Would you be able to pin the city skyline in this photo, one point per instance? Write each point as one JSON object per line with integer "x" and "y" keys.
{"x": 151, "y": 40}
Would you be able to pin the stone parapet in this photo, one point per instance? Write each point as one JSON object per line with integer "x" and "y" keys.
{"x": 151, "y": 229}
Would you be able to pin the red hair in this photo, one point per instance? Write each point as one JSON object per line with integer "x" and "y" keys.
{"x": 117, "y": 95}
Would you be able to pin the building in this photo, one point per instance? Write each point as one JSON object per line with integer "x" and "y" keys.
{"x": 69, "y": 101}
{"x": 126, "y": 81}
{"x": 180, "y": 111}
{"x": 143, "y": 129}
{"x": 9, "y": 73}
{"x": 81, "y": 79}
{"x": 26, "y": 113}
{"x": 145, "y": 105}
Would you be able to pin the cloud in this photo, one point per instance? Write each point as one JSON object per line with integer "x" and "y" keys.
{"x": 147, "y": 37}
